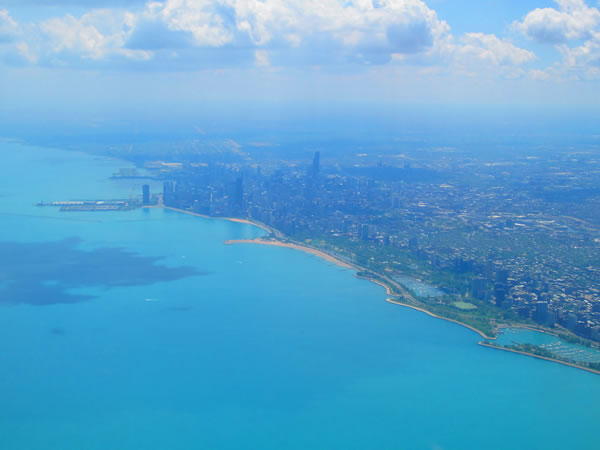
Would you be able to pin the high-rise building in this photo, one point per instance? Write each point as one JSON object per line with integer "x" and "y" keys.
{"x": 541, "y": 312}
{"x": 238, "y": 197}
{"x": 502, "y": 276}
{"x": 316, "y": 164}
{"x": 364, "y": 232}
{"x": 500, "y": 294}
{"x": 146, "y": 194}
{"x": 478, "y": 286}
{"x": 168, "y": 190}
{"x": 572, "y": 321}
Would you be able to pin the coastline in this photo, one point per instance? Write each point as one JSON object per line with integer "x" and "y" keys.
{"x": 552, "y": 332}
{"x": 330, "y": 258}
{"x": 429, "y": 313}
{"x": 312, "y": 251}
{"x": 388, "y": 289}
{"x": 576, "y": 366}
{"x": 230, "y": 219}
{"x": 277, "y": 241}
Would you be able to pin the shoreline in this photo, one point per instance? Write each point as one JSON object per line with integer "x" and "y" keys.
{"x": 545, "y": 358}
{"x": 274, "y": 243}
{"x": 277, "y": 242}
{"x": 230, "y": 219}
{"x": 388, "y": 289}
{"x": 429, "y": 313}
{"x": 326, "y": 256}
{"x": 330, "y": 258}
{"x": 552, "y": 332}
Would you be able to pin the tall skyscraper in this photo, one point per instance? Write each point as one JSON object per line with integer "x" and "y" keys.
{"x": 239, "y": 192}
{"x": 478, "y": 286}
{"x": 500, "y": 294}
{"x": 146, "y": 194}
{"x": 168, "y": 191}
{"x": 541, "y": 312}
{"x": 316, "y": 164}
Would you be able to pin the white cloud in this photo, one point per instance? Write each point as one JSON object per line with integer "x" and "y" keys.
{"x": 97, "y": 36}
{"x": 369, "y": 31}
{"x": 198, "y": 34}
{"x": 490, "y": 49}
{"x": 68, "y": 33}
{"x": 573, "y": 20}
{"x": 262, "y": 58}
{"x": 8, "y": 27}
{"x": 537, "y": 74}
{"x": 26, "y": 53}
{"x": 584, "y": 60}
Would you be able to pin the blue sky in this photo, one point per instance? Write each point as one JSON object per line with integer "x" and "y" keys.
{"x": 95, "y": 54}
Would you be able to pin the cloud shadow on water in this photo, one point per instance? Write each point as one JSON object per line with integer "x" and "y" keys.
{"x": 43, "y": 273}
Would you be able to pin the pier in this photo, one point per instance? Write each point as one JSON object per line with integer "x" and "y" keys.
{"x": 92, "y": 205}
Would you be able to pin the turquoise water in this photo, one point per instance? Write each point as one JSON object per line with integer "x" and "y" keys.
{"x": 141, "y": 330}
{"x": 575, "y": 352}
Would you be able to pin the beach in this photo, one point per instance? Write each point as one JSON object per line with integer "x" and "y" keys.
{"x": 312, "y": 251}
{"x": 231, "y": 219}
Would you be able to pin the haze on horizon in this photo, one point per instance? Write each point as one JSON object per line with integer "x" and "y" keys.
{"x": 105, "y": 58}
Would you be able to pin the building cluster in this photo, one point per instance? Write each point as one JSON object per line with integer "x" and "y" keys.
{"x": 505, "y": 234}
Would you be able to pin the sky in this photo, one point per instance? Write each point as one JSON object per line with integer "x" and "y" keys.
{"x": 69, "y": 56}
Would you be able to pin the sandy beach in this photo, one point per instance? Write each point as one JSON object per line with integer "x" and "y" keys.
{"x": 230, "y": 219}
{"x": 302, "y": 248}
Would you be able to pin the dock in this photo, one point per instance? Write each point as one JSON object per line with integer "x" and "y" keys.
{"x": 92, "y": 205}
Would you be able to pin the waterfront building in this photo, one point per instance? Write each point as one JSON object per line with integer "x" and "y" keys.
{"x": 146, "y": 194}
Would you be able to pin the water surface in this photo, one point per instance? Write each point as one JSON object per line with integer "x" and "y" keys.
{"x": 173, "y": 340}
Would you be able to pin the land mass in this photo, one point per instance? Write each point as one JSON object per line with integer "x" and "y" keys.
{"x": 398, "y": 294}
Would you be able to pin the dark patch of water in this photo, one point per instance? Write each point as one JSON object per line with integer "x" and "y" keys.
{"x": 43, "y": 273}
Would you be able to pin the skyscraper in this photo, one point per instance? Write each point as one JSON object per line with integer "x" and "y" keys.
{"x": 541, "y": 312}
{"x": 316, "y": 163}
{"x": 500, "y": 294}
{"x": 239, "y": 192}
{"x": 168, "y": 192}
{"x": 146, "y": 194}
{"x": 478, "y": 286}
